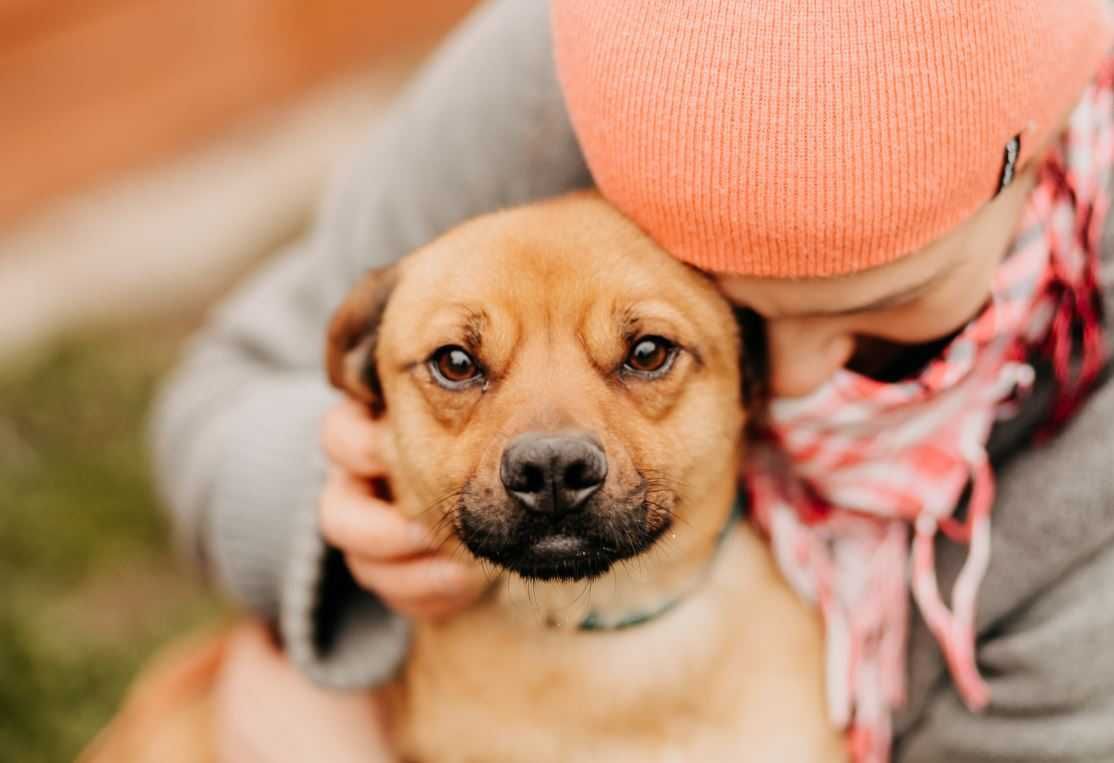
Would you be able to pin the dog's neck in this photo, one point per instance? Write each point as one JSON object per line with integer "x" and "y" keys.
{"x": 633, "y": 592}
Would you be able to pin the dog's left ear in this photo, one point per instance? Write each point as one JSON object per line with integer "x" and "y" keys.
{"x": 353, "y": 335}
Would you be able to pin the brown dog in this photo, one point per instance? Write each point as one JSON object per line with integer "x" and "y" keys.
{"x": 565, "y": 403}
{"x": 564, "y": 400}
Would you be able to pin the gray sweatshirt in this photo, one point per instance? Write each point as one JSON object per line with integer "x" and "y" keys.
{"x": 236, "y": 430}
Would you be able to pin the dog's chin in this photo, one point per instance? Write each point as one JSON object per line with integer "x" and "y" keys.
{"x": 575, "y": 548}
{"x": 545, "y": 563}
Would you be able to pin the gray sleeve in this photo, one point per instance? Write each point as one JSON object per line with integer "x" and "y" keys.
{"x": 235, "y": 429}
{"x": 1050, "y": 667}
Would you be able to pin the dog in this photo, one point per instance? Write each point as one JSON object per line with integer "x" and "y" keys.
{"x": 565, "y": 402}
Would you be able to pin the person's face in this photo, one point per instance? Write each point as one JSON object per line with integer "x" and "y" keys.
{"x": 867, "y": 321}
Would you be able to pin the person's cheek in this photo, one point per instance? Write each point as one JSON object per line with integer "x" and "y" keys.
{"x": 955, "y": 305}
{"x": 932, "y": 316}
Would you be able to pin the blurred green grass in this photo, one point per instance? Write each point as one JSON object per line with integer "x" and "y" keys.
{"x": 89, "y": 586}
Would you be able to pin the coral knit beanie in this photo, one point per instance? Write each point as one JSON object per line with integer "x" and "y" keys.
{"x": 805, "y": 138}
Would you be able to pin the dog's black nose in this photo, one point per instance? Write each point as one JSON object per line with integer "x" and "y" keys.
{"x": 553, "y": 473}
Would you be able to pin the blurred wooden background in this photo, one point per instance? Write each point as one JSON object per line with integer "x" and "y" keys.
{"x": 89, "y": 88}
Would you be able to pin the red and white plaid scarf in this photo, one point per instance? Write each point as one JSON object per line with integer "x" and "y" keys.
{"x": 865, "y": 474}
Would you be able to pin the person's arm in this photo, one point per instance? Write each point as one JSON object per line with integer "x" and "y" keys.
{"x": 237, "y": 428}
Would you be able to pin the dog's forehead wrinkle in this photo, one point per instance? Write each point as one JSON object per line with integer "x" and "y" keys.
{"x": 627, "y": 320}
{"x": 439, "y": 323}
{"x": 474, "y": 328}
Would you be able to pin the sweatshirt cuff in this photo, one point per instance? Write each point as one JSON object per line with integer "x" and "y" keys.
{"x": 336, "y": 632}
{"x": 268, "y": 552}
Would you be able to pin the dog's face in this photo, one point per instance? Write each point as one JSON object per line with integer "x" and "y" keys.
{"x": 560, "y": 391}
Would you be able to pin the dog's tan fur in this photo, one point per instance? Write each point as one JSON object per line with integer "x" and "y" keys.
{"x": 553, "y": 296}
{"x": 549, "y": 298}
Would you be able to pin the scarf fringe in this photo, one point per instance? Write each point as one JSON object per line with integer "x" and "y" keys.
{"x": 955, "y": 630}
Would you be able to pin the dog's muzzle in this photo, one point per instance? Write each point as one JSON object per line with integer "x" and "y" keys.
{"x": 555, "y": 519}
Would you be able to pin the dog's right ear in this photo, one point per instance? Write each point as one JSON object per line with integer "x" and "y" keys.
{"x": 353, "y": 335}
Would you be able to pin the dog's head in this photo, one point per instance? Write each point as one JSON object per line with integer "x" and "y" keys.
{"x": 559, "y": 390}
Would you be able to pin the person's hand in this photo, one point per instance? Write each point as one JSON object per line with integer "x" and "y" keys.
{"x": 265, "y": 711}
{"x": 388, "y": 554}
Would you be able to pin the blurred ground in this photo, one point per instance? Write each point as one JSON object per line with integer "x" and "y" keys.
{"x": 90, "y": 587}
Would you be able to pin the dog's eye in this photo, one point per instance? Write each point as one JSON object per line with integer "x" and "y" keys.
{"x": 453, "y": 368}
{"x": 650, "y": 356}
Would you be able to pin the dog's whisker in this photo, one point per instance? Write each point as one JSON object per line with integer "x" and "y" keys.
{"x": 440, "y": 502}
{"x": 586, "y": 591}
{"x": 681, "y": 520}
{"x": 490, "y": 571}
{"x": 443, "y": 536}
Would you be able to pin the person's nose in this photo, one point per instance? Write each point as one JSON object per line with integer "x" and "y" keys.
{"x": 804, "y": 353}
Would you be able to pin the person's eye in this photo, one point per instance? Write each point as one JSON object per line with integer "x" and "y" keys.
{"x": 453, "y": 368}
{"x": 650, "y": 357}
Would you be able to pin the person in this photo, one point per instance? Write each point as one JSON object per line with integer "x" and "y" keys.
{"x": 910, "y": 198}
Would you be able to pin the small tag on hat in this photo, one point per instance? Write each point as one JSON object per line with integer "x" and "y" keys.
{"x": 1009, "y": 163}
